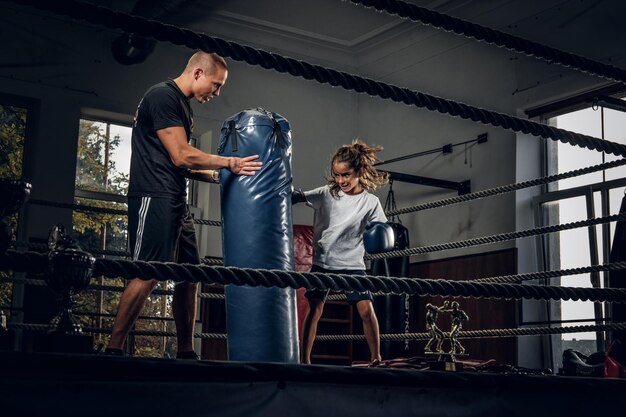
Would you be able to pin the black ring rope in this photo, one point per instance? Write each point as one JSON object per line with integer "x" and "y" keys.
{"x": 212, "y": 261}
{"x": 495, "y": 37}
{"x": 41, "y": 247}
{"x": 37, "y": 263}
{"x": 84, "y": 208}
{"x": 511, "y": 279}
{"x": 78, "y": 207}
{"x": 417, "y": 250}
{"x": 467, "y": 334}
{"x": 47, "y": 327}
{"x": 531, "y": 276}
{"x": 496, "y": 238}
{"x": 115, "y": 288}
{"x": 424, "y": 206}
{"x": 507, "y": 188}
{"x": 195, "y": 40}
{"x": 471, "y": 334}
{"x": 207, "y": 222}
{"x": 97, "y": 287}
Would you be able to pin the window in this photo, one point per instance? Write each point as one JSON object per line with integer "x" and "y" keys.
{"x": 13, "y": 123}
{"x": 102, "y": 173}
{"x": 593, "y": 195}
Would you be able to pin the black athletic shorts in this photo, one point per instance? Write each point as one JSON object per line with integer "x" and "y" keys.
{"x": 161, "y": 229}
{"x": 352, "y": 296}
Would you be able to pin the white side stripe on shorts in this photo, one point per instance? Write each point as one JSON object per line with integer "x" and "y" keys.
{"x": 143, "y": 212}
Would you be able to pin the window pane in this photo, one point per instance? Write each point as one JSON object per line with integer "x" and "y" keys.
{"x": 103, "y": 166}
{"x": 101, "y": 230}
{"x": 615, "y": 131}
{"x": 12, "y": 136}
{"x": 574, "y": 252}
{"x": 103, "y": 161}
{"x": 157, "y": 306}
{"x": 588, "y": 122}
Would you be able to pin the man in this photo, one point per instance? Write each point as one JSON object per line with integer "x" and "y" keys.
{"x": 159, "y": 223}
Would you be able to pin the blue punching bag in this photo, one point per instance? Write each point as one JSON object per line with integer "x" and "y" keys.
{"x": 257, "y": 232}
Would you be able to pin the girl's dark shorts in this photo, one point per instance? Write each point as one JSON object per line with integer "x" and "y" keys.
{"x": 352, "y": 296}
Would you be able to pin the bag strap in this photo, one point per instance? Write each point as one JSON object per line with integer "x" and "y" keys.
{"x": 233, "y": 135}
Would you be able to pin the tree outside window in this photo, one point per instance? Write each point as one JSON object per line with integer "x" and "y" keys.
{"x": 102, "y": 173}
{"x": 12, "y": 136}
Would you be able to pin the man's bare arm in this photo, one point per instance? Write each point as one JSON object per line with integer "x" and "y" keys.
{"x": 183, "y": 155}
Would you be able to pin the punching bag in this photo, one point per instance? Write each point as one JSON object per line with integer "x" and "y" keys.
{"x": 392, "y": 310}
{"x": 257, "y": 232}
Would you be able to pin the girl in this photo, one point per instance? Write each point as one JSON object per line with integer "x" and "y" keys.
{"x": 342, "y": 209}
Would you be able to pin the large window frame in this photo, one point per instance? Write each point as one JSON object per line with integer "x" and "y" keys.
{"x": 158, "y": 311}
{"x": 597, "y": 203}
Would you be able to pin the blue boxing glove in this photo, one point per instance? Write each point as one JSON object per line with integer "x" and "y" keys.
{"x": 378, "y": 237}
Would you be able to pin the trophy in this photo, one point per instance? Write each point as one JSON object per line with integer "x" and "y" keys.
{"x": 437, "y": 336}
{"x": 69, "y": 272}
{"x": 458, "y": 317}
{"x": 446, "y": 360}
{"x": 13, "y": 194}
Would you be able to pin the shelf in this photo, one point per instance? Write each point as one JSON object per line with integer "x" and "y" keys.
{"x": 339, "y": 321}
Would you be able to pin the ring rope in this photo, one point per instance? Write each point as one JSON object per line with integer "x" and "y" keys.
{"x": 105, "y": 210}
{"x": 471, "y": 334}
{"x": 48, "y": 327}
{"x": 212, "y": 261}
{"x": 39, "y": 247}
{"x": 495, "y": 37}
{"x": 97, "y": 287}
{"x": 531, "y": 276}
{"x": 208, "y": 222}
{"x": 35, "y": 262}
{"x": 424, "y": 206}
{"x": 501, "y": 237}
{"x": 464, "y": 334}
{"x": 115, "y": 288}
{"x": 459, "y": 244}
{"x": 511, "y": 279}
{"x": 84, "y": 208}
{"x": 507, "y": 188}
{"x": 195, "y": 40}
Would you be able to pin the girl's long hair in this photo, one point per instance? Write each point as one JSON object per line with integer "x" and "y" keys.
{"x": 360, "y": 157}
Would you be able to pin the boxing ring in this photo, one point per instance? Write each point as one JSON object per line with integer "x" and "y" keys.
{"x": 35, "y": 383}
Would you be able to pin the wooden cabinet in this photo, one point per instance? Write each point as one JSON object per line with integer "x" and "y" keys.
{"x": 336, "y": 320}
{"x": 484, "y": 313}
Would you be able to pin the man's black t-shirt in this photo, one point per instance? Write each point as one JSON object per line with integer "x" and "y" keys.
{"x": 152, "y": 172}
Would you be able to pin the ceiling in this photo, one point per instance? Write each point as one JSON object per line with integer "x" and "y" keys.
{"x": 592, "y": 28}
{"x": 348, "y": 36}
{"x": 336, "y": 34}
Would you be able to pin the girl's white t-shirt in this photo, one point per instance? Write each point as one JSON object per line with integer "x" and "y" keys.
{"x": 338, "y": 227}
